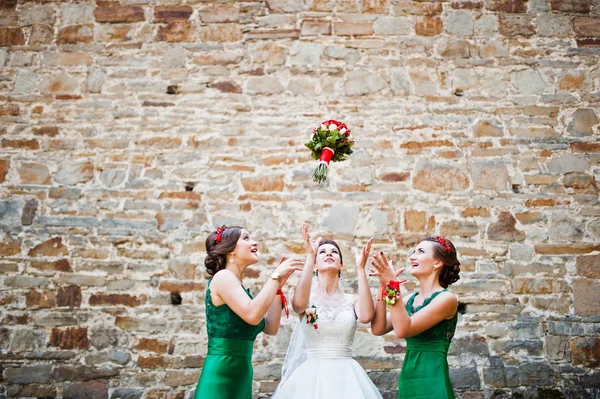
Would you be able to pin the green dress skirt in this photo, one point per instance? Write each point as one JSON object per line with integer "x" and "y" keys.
{"x": 425, "y": 372}
{"x": 227, "y": 370}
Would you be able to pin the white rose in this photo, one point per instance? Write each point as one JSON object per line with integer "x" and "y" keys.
{"x": 343, "y": 130}
{"x": 323, "y": 127}
{"x": 332, "y": 127}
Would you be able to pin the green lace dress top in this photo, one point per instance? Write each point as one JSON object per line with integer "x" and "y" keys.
{"x": 425, "y": 372}
{"x": 227, "y": 371}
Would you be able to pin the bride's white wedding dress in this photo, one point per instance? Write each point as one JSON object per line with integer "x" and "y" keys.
{"x": 319, "y": 362}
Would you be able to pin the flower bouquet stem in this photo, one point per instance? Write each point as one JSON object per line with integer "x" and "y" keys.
{"x": 320, "y": 173}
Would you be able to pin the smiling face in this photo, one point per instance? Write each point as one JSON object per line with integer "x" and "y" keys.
{"x": 246, "y": 250}
{"x": 422, "y": 260}
{"x": 328, "y": 257}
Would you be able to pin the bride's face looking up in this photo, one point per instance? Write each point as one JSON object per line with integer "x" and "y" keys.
{"x": 328, "y": 257}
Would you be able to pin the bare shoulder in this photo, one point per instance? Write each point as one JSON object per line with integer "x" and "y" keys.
{"x": 223, "y": 277}
{"x": 448, "y": 297}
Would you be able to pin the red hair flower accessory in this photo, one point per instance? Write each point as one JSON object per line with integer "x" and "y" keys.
{"x": 330, "y": 141}
{"x": 219, "y": 235}
{"x": 443, "y": 242}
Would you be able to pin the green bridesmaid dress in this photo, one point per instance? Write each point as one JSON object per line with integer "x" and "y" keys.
{"x": 425, "y": 372}
{"x": 227, "y": 371}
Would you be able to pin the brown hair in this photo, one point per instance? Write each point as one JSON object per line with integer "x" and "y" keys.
{"x": 216, "y": 252}
{"x": 451, "y": 267}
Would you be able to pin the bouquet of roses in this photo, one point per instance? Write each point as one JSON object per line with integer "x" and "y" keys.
{"x": 330, "y": 141}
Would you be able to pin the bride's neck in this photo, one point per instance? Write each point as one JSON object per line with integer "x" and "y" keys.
{"x": 329, "y": 283}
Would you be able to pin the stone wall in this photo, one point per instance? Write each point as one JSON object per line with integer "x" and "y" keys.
{"x": 130, "y": 129}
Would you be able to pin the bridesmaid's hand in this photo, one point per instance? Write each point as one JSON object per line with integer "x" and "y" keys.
{"x": 287, "y": 267}
{"x": 361, "y": 258}
{"x": 311, "y": 249}
{"x": 383, "y": 269}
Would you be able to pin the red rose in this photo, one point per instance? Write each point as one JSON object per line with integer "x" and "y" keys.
{"x": 395, "y": 285}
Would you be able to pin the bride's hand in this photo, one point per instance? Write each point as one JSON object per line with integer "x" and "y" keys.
{"x": 361, "y": 258}
{"x": 383, "y": 269}
{"x": 311, "y": 248}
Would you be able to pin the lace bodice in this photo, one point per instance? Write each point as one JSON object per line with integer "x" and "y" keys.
{"x": 336, "y": 322}
{"x": 222, "y": 322}
{"x": 443, "y": 330}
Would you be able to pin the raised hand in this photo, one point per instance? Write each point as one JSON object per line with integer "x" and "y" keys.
{"x": 383, "y": 269}
{"x": 361, "y": 257}
{"x": 311, "y": 248}
{"x": 287, "y": 267}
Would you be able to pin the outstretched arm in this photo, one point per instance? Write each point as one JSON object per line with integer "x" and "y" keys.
{"x": 365, "y": 309}
{"x": 302, "y": 292}
{"x": 226, "y": 288}
{"x": 405, "y": 326}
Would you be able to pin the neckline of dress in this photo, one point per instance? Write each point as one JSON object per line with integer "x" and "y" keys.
{"x": 429, "y": 298}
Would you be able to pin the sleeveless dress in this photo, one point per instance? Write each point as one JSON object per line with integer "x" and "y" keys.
{"x": 425, "y": 372}
{"x": 328, "y": 371}
{"x": 227, "y": 371}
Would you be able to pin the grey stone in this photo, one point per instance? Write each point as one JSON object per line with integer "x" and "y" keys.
{"x": 67, "y": 221}
{"x": 25, "y": 281}
{"x": 554, "y": 25}
{"x": 359, "y": 83}
{"x": 423, "y": 82}
{"x": 305, "y": 54}
{"x": 392, "y": 26}
{"x": 288, "y": 6}
{"x": 112, "y": 177}
{"x": 567, "y": 163}
{"x": 486, "y": 25}
{"x": 174, "y": 57}
{"x": 401, "y": 84}
{"x": 34, "y": 14}
{"x": 530, "y": 81}
{"x": 127, "y": 225}
{"x": 537, "y": 374}
{"x": 108, "y": 357}
{"x": 470, "y": 345}
{"x": 521, "y": 252}
{"x": 95, "y": 80}
{"x": 265, "y": 85}
{"x": 464, "y": 79}
{"x": 465, "y": 378}
{"x": 60, "y": 319}
{"x": 104, "y": 337}
{"x": 583, "y": 121}
{"x": 341, "y": 219}
{"x": 28, "y": 341}
{"x": 87, "y": 390}
{"x": 76, "y": 14}
{"x": 127, "y": 393}
{"x": 459, "y": 23}
{"x": 28, "y": 374}
{"x": 26, "y": 82}
{"x": 564, "y": 227}
{"x": 74, "y": 172}
{"x": 558, "y": 348}
{"x": 10, "y": 213}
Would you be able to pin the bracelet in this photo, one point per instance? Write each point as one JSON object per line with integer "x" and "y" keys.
{"x": 391, "y": 291}
{"x": 283, "y": 303}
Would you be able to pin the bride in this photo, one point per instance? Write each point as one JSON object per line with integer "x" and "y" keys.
{"x": 318, "y": 362}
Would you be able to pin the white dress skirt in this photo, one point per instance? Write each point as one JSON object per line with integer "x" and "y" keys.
{"x": 325, "y": 368}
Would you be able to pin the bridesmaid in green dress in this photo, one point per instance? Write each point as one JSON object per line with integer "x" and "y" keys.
{"x": 426, "y": 319}
{"x": 233, "y": 317}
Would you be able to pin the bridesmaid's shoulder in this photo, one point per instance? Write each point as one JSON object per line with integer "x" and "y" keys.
{"x": 223, "y": 277}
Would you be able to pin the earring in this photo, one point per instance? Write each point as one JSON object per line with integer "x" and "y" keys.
{"x": 340, "y": 274}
